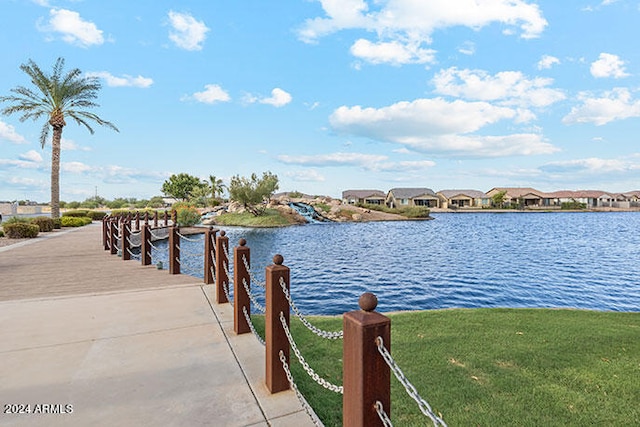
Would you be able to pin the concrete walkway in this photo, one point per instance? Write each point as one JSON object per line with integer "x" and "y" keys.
{"x": 88, "y": 339}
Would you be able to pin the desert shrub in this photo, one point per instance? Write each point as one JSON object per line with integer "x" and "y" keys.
{"x": 96, "y": 215}
{"x": 17, "y": 220}
{"x": 74, "y": 221}
{"x": 76, "y": 213}
{"x": 57, "y": 224}
{"x": 20, "y": 230}
{"x": 1, "y": 233}
{"x": 187, "y": 214}
{"x": 44, "y": 223}
{"x": 415, "y": 212}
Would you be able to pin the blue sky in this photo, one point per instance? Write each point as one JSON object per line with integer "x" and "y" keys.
{"x": 333, "y": 95}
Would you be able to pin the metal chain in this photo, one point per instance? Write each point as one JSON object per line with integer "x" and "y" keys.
{"x": 134, "y": 233}
{"x": 301, "y": 398}
{"x": 213, "y": 273}
{"x": 134, "y": 256}
{"x": 319, "y": 332}
{"x": 182, "y": 236}
{"x": 252, "y": 297}
{"x": 250, "y": 323}
{"x": 156, "y": 236}
{"x": 425, "y": 408}
{"x": 324, "y": 383}
{"x": 131, "y": 243}
{"x": 253, "y": 278}
{"x": 226, "y": 293}
{"x": 382, "y": 414}
{"x": 226, "y": 270}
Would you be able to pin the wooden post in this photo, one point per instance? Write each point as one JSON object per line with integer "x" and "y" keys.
{"x": 222, "y": 265}
{"x": 145, "y": 248}
{"x": 174, "y": 217}
{"x": 137, "y": 221}
{"x": 166, "y": 218}
{"x": 155, "y": 219}
{"x": 366, "y": 376}
{"x": 114, "y": 236}
{"x": 240, "y": 296}
{"x": 209, "y": 255}
{"x": 125, "y": 233}
{"x": 275, "y": 337}
{"x": 105, "y": 232}
{"x": 174, "y": 250}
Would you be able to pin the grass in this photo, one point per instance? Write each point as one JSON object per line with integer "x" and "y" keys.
{"x": 525, "y": 367}
{"x": 270, "y": 218}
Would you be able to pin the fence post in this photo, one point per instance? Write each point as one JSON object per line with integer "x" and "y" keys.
{"x": 114, "y": 236}
{"x": 145, "y": 242}
{"x": 222, "y": 266}
{"x": 105, "y": 233}
{"x": 366, "y": 376}
{"x": 209, "y": 255}
{"x": 155, "y": 219}
{"x": 240, "y": 296}
{"x": 174, "y": 250}
{"x": 137, "y": 221}
{"x": 125, "y": 233}
{"x": 275, "y": 337}
{"x": 174, "y": 217}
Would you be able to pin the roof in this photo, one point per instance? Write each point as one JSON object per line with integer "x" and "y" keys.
{"x": 411, "y": 193}
{"x": 474, "y": 194}
{"x": 517, "y": 192}
{"x": 577, "y": 194}
{"x": 362, "y": 194}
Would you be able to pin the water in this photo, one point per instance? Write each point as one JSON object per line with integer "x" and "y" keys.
{"x": 563, "y": 260}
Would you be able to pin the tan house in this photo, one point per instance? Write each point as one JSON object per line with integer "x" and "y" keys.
{"x": 366, "y": 197}
{"x": 406, "y": 197}
{"x": 520, "y": 196}
{"x": 454, "y": 199}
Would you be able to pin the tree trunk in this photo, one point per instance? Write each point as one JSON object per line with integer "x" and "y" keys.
{"x": 55, "y": 171}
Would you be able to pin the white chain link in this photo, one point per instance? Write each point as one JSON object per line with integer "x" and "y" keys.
{"x": 425, "y": 408}
{"x": 225, "y": 266}
{"x": 319, "y": 332}
{"x": 134, "y": 256}
{"x": 182, "y": 236}
{"x": 131, "y": 243}
{"x": 226, "y": 294}
{"x": 156, "y": 236}
{"x": 382, "y": 414}
{"x": 213, "y": 273}
{"x": 252, "y": 297}
{"x": 324, "y": 383}
{"x": 253, "y": 278}
{"x": 246, "y": 316}
{"x": 301, "y": 398}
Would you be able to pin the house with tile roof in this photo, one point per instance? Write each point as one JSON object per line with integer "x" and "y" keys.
{"x": 407, "y": 197}
{"x": 524, "y": 197}
{"x": 455, "y": 199}
{"x": 366, "y": 197}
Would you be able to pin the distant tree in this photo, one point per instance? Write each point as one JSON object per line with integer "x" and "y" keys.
{"x": 497, "y": 200}
{"x": 56, "y": 97}
{"x": 200, "y": 195}
{"x": 181, "y": 186}
{"x": 253, "y": 192}
{"x": 156, "y": 202}
{"x": 217, "y": 186}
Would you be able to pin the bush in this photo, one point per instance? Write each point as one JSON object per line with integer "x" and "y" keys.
{"x": 20, "y": 230}
{"x": 73, "y": 221}
{"x": 76, "y": 213}
{"x": 44, "y": 223}
{"x": 187, "y": 214}
{"x": 1, "y": 233}
{"x": 96, "y": 215}
{"x": 415, "y": 212}
{"x": 57, "y": 223}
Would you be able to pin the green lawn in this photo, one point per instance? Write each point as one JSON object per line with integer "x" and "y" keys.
{"x": 496, "y": 367}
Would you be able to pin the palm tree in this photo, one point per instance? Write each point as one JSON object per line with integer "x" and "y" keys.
{"x": 217, "y": 187}
{"x": 57, "y": 96}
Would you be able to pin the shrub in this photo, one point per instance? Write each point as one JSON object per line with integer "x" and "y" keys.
{"x": 17, "y": 220}
{"x": 187, "y": 215}
{"x": 57, "y": 224}
{"x": 76, "y": 213}
{"x": 43, "y": 222}
{"x": 415, "y": 212}
{"x": 96, "y": 215}
{"x": 1, "y": 233}
{"x": 73, "y": 221}
{"x": 20, "y": 230}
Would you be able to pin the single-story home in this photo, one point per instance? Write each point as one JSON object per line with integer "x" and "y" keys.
{"x": 405, "y": 197}
{"x": 366, "y": 197}
{"x": 453, "y": 199}
{"x": 520, "y": 196}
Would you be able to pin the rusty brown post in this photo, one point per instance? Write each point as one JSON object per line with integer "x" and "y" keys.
{"x": 155, "y": 219}
{"x": 166, "y": 218}
{"x": 174, "y": 250}
{"x": 114, "y": 236}
{"x": 145, "y": 242}
{"x": 366, "y": 376}
{"x": 240, "y": 296}
{"x": 209, "y": 255}
{"x": 146, "y": 217}
{"x": 222, "y": 266}
{"x": 105, "y": 233}
{"x": 275, "y": 337}
{"x": 174, "y": 217}
{"x": 125, "y": 233}
{"x": 137, "y": 217}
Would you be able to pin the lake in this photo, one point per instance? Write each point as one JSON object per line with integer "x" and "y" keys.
{"x": 550, "y": 260}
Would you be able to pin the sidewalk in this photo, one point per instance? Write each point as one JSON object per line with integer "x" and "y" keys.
{"x": 89, "y": 339}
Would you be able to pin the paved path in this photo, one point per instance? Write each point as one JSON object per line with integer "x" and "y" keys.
{"x": 100, "y": 341}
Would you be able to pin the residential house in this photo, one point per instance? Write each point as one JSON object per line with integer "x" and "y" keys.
{"x": 590, "y": 198}
{"x": 454, "y": 199}
{"x": 405, "y": 197}
{"x": 366, "y": 197}
{"x": 521, "y": 196}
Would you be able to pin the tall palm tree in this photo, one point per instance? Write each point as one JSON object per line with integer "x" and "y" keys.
{"x": 57, "y": 96}
{"x": 217, "y": 187}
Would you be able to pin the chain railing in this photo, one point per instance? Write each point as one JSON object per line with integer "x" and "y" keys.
{"x": 250, "y": 323}
{"x": 253, "y": 298}
{"x": 254, "y": 279}
{"x": 307, "y": 408}
{"x": 425, "y": 408}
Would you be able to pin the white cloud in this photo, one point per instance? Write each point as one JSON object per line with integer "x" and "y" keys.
{"x": 368, "y": 162}
{"x": 8, "y": 132}
{"x": 612, "y": 105}
{"x": 608, "y": 65}
{"x": 278, "y": 98}
{"x": 591, "y": 165}
{"x": 412, "y": 22}
{"x": 73, "y": 28}
{"x": 307, "y": 175}
{"x": 69, "y": 145}
{"x": 547, "y": 61}
{"x": 506, "y": 87}
{"x": 211, "y": 95}
{"x": 31, "y": 156}
{"x": 187, "y": 32}
{"x": 467, "y": 48}
{"x": 439, "y": 126}
{"x": 393, "y": 52}
{"x": 75, "y": 167}
{"x": 123, "y": 81}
